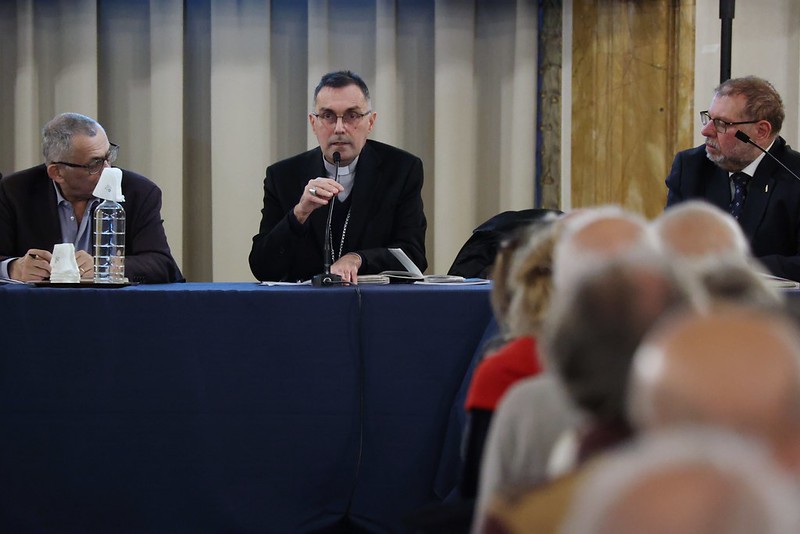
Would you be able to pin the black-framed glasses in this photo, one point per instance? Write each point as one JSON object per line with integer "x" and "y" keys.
{"x": 720, "y": 125}
{"x": 97, "y": 164}
{"x": 349, "y": 118}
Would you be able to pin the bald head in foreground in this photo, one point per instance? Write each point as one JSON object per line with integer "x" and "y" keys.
{"x": 737, "y": 367}
{"x": 595, "y": 237}
{"x": 687, "y": 481}
{"x": 707, "y": 245}
{"x": 697, "y": 230}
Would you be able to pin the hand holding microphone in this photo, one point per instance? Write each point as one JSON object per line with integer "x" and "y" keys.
{"x": 327, "y": 278}
{"x": 323, "y": 189}
{"x": 317, "y": 193}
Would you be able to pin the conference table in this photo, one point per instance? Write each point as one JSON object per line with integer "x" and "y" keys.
{"x": 232, "y": 406}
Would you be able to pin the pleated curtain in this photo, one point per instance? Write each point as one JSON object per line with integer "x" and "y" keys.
{"x": 203, "y": 95}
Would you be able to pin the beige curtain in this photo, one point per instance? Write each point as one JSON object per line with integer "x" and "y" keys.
{"x": 203, "y": 95}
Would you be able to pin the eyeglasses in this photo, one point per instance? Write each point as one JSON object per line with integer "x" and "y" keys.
{"x": 349, "y": 118}
{"x": 720, "y": 125}
{"x": 97, "y": 164}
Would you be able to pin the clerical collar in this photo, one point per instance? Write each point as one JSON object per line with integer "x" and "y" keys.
{"x": 347, "y": 176}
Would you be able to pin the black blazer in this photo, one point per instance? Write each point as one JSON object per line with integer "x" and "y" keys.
{"x": 29, "y": 219}
{"x": 386, "y": 211}
{"x": 771, "y": 215}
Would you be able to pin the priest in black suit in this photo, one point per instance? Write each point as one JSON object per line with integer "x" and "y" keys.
{"x": 54, "y": 203}
{"x": 377, "y": 200}
{"x": 739, "y": 178}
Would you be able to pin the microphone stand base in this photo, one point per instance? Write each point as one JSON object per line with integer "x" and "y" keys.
{"x": 322, "y": 280}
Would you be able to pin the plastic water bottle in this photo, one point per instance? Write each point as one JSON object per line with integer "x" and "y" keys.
{"x": 109, "y": 242}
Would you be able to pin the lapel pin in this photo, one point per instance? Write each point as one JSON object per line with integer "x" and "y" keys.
{"x": 766, "y": 188}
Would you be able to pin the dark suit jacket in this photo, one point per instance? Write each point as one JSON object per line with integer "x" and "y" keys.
{"x": 386, "y": 211}
{"x": 29, "y": 219}
{"x": 771, "y": 215}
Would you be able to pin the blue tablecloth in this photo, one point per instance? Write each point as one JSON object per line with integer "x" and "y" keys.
{"x": 231, "y": 407}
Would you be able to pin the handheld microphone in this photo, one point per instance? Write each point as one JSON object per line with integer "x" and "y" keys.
{"x": 743, "y": 137}
{"x": 326, "y": 278}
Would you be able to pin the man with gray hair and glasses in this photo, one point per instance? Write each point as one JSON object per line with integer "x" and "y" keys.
{"x": 377, "y": 198}
{"x": 732, "y": 171}
{"x": 54, "y": 203}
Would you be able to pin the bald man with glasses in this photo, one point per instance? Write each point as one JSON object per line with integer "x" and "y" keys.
{"x": 377, "y": 199}
{"x": 738, "y": 177}
{"x": 54, "y": 203}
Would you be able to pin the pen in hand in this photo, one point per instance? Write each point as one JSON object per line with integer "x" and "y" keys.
{"x": 37, "y": 266}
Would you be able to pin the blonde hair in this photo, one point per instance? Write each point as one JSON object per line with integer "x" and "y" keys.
{"x": 531, "y": 281}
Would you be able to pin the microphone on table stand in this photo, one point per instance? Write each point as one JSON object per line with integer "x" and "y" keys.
{"x": 326, "y": 278}
{"x": 743, "y": 137}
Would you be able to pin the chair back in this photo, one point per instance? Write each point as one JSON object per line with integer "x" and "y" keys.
{"x": 476, "y": 257}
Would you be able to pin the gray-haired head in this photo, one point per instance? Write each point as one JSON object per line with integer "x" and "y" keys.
{"x": 690, "y": 480}
{"x": 762, "y": 99}
{"x": 736, "y": 366}
{"x": 696, "y": 231}
{"x": 737, "y": 282}
{"x": 706, "y": 244}
{"x": 58, "y": 132}
{"x": 595, "y": 237}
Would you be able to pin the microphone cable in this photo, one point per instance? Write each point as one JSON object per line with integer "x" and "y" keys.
{"x": 361, "y": 395}
{"x": 744, "y": 138}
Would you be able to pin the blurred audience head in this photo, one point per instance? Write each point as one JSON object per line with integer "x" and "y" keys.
{"x": 594, "y": 328}
{"x": 594, "y": 237}
{"x": 531, "y": 240}
{"x": 736, "y": 367}
{"x": 736, "y": 282}
{"x": 531, "y": 281}
{"x": 691, "y": 481}
{"x": 708, "y": 246}
{"x": 696, "y": 231}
